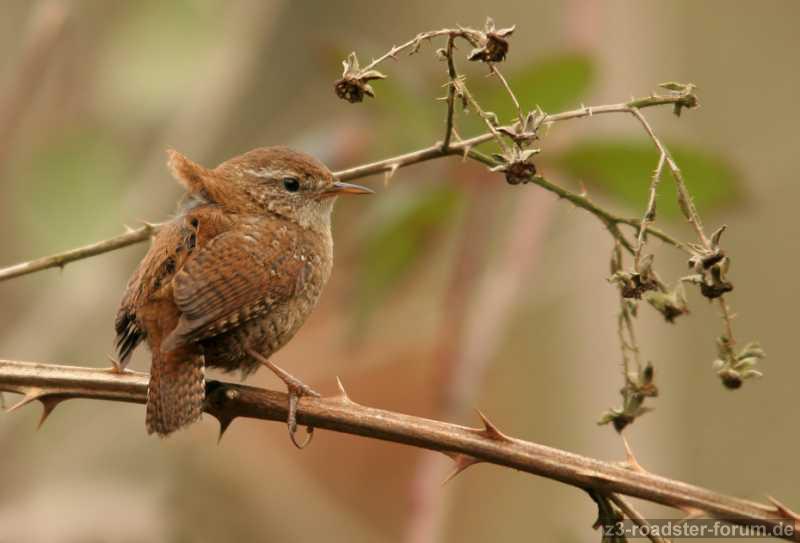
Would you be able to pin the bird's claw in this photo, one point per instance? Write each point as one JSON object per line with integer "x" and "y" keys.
{"x": 296, "y": 391}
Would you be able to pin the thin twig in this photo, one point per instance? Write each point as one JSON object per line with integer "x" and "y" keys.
{"x": 60, "y": 260}
{"x": 488, "y": 120}
{"x": 726, "y": 320}
{"x": 688, "y": 208}
{"x": 45, "y": 31}
{"x": 52, "y": 384}
{"x": 636, "y": 517}
{"x": 494, "y": 70}
{"x": 432, "y": 152}
{"x": 649, "y": 214}
{"x": 683, "y": 193}
{"x": 412, "y": 44}
{"x": 452, "y": 75}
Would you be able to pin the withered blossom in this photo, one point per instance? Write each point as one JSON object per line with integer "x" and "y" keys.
{"x": 492, "y": 44}
{"x": 354, "y": 83}
{"x": 632, "y": 284}
{"x": 524, "y": 133}
{"x": 518, "y": 167}
{"x": 637, "y": 388}
{"x": 735, "y": 368}
{"x": 710, "y": 267}
{"x": 671, "y": 305}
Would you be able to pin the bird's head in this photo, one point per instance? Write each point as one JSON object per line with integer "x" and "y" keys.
{"x": 266, "y": 180}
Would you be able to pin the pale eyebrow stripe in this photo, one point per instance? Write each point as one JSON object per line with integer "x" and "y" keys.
{"x": 265, "y": 173}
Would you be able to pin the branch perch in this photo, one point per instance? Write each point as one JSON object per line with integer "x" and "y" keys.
{"x": 52, "y": 384}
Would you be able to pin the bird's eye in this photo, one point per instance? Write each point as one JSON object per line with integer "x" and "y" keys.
{"x": 291, "y": 184}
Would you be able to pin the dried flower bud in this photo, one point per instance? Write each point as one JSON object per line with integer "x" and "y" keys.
{"x": 733, "y": 369}
{"x": 715, "y": 290}
{"x": 730, "y": 379}
{"x": 354, "y": 83}
{"x": 518, "y": 166}
{"x": 520, "y": 172}
{"x": 670, "y": 304}
{"x": 711, "y": 268}
{"x": 638, "y": 387}
{"x": 524, "y": 133}
{"x": 492, "y": 43}
{"x": 632, "y": 284}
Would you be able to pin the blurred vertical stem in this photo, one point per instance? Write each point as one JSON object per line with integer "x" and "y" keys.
{"x": 44, "y": 32}
{"x": 478, "y": 309}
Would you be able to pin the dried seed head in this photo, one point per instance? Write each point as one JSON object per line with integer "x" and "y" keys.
{"x": 730, "y": 379}
{"x": 518, "y": 167}
{"x": 492, "y": 43}
{"x": 354, "y": 83}
{"x": 520, "y": 172}
{"x": 670, "y": 304}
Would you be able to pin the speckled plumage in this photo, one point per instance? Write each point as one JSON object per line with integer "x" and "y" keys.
{"x": 242, "y": 266}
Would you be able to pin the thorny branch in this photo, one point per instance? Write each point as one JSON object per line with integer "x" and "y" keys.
{"x": 52, "y": 384}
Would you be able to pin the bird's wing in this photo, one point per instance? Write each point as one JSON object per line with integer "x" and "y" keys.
{"x": 240, "y": 275}
{"x": 154, "y": 272}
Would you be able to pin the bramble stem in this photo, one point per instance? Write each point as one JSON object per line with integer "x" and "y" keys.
{"x": 51, "y": 384}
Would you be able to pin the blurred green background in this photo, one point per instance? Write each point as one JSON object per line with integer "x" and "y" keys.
{"x": 452, "y": 290}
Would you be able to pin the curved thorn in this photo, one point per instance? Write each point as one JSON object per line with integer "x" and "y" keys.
{"x": 783, "y": 511}
{"x": 31, "y": 395}
{"x": 630, "y": 458}
{"x": 224, "y": 424}
{"x": 489, "y": 430}
{"x": 692, "y": 512}
{"x": 49, "y": 403}
{"x": 116, "y": 365}
{"x": 342, "y": 395}
{"x": 390, "y": 173}
{"x": 462, "y": 462}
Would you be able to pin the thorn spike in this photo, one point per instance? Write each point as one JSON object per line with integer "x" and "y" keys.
{"x": 783, "y": 511}
{"x": 31, "y": 395}
{"x": 224, "y": 424}
{"x": 49, "y": 403}
{"x": 116, "y": 365}
{"x": 630, "y": 458}
{"x": 342, "y": 396}
{"x": 490, "y": 431}
{"x": 462, "y": 462}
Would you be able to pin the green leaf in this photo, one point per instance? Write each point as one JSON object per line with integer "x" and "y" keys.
{"x": 553, "y": 84}
{"x": 624, "y": 169}
{"x": 396, "y": 239}
{"x": 70, "y": 189}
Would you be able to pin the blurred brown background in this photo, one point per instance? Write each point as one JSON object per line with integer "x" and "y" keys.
{"x": 451, "y": 290}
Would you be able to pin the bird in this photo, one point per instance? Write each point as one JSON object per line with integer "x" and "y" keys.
{"x": 231, "y": 278}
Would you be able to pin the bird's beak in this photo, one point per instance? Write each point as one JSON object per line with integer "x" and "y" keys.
{"x": 341, "y": 187}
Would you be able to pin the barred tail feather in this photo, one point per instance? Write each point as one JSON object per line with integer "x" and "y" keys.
{"x": 176, "y": 391}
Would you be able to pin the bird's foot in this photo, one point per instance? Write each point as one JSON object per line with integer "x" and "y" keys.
{"x": 296, "y": 389}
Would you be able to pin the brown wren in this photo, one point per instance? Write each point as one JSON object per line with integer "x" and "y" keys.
{"x": 231, "y": 278}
